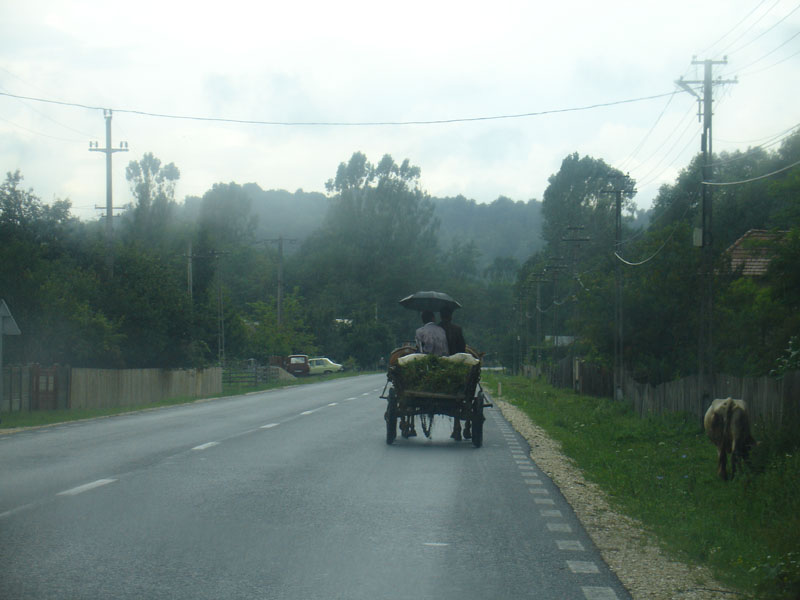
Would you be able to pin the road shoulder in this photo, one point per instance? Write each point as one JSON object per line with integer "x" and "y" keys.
{"x": 641, "y": 565}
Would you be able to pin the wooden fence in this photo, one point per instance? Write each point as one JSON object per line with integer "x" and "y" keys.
{"x": 106, "y": 388}
{"x": 771, "y": 401}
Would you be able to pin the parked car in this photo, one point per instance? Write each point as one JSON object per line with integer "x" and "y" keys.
{"x": 297, "y": 364}
{"x": 323, "y": 366}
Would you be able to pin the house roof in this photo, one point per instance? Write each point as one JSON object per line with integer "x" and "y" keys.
{"x": 753, "y": 252}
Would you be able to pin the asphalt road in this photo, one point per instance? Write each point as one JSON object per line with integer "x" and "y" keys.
{"x": 289, "y": 494}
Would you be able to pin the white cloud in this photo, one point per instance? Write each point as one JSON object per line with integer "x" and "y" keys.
{"x": 362, "y": 61}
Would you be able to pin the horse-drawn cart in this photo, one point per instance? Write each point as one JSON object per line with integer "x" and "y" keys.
{"x": 422, "y": 386}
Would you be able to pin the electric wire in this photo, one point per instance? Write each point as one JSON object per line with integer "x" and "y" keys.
{"x": 783, "y": 60}
{"x": 33, "y": 131}
{"x": 650, "y": 177}
{"x": 726, "y": 49}
{"x": 774, "y": 25}
{"x": 758, "y": 60}
{"x": 732, "y": 29}
{"x": 660, "y": 248}
{"x": 762, "y": 139}
{"x": 747, "y": 154}
{"x": 344, "y": 123}
{"x": 674, "y": 131}
{"x": 639, "y": 146}
{"x": 760, "y": 177}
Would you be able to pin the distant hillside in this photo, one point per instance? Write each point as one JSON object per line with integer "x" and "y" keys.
{"x": 286, "y": 214}
{"x": 500, "y": 229}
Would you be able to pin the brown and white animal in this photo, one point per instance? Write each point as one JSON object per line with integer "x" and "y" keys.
{"x": 728, "y": 426}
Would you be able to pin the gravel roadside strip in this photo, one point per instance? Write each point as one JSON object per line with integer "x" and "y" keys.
{"x": 629, "y": 551}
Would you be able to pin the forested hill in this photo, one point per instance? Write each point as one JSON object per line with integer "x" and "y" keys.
{"x": 504, "y": 228}
{"x": 286, "y": 214}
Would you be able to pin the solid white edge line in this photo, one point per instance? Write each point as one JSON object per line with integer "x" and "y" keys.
{"x": 85, "y": 487}
{"x": 206, "y": 445}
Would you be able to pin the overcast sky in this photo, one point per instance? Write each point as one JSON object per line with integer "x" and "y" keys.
{"x": 376, "y": 62}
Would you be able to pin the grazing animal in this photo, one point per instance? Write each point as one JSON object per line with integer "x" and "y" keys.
{"x": 728, "y": 426}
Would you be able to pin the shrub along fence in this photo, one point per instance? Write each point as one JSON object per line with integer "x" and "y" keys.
{"x": 35, "y": 388}
{"x": 771, "y": 401}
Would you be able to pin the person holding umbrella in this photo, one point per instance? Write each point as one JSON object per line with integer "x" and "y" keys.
{"x": 431, "y": 338}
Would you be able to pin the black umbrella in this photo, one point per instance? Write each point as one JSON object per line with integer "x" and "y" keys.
{"x": 433, "y": 301}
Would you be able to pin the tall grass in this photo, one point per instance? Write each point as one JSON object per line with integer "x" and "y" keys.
{"x": 663, "y": 471}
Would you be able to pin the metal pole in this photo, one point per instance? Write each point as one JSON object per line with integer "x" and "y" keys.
{"x": 280, "y": 281}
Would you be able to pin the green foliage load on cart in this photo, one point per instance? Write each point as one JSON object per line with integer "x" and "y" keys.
{"x": 431, "y": 373}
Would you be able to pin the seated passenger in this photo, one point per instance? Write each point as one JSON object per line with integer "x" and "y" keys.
{"x": 431, "y": 338}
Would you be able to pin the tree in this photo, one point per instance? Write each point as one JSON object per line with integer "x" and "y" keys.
{"x": 267, "y": 339}
{"x": 153, "y": 188}
{"x": 578, "y": 196}
{"x": 377, "y": 244}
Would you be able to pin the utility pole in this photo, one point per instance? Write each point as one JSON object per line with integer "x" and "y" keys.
{"x": 575, "y": 239}
{"x": 539, "y": 279}
{"x": 280, "y": 241}
{"x": 554, "y": 268}
{"x": 619, "y": 368}
{"x": 705, "y": 346}
{"x": 189, "y": 282}
{"x": 108, "y": 150}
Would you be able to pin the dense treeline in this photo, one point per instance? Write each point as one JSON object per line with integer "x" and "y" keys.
{"x": 192, "y": 283}
{"x": 195, "y": 282}
{"x": 755, "y": 317}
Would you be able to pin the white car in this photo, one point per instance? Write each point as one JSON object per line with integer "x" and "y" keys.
{"x": 323, "y": 366}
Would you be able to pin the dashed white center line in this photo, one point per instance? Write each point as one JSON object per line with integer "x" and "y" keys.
{"x": 333, "y": 404}
{"x": 14, "y": 511}
{"x": 435, "y": 544}
{"x": 269, "y": 425}
{"x": 85, "y": 487}
{"x": 308, "y": 412}
{"x": 206, "y": 445}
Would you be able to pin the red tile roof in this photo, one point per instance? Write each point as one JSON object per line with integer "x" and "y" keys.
{"x": 752, "y": 252}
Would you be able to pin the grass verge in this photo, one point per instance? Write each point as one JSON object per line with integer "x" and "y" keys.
{"x": 662, "y": 471}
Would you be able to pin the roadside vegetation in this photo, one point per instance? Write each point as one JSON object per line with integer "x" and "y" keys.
{"x": 662, "y": 471}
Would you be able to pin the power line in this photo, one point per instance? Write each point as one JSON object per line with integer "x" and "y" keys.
{"x": 753, "y": 24}
{"x": 774, "y": 25}
{"x": 758, "y": 60}
{"x": 786, "y": 168}
{"x": 765, "y": 138}
{"x": 344, "y": 123}
{"x": 732, "y": 29}
{"x": 646, "y": 136}
{"x": 775, "y": 64}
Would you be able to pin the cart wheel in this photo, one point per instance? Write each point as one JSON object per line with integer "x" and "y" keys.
{"x": 391, "y": 417}
{"x": 477, "y": 421}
